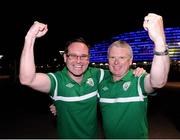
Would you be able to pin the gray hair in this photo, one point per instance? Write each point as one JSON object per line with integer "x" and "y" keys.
{"x": 121, "y": 44}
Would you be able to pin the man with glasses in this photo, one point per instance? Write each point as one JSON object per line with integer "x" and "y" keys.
{"x": 74, "y": 89}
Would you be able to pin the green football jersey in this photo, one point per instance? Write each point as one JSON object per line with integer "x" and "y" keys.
{"x": 123, "y": 106}
{"x": 76, "y": 104}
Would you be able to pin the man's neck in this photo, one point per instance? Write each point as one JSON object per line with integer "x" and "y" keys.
{"x": 118, "y": 77}
{"x": 77, "y": 78}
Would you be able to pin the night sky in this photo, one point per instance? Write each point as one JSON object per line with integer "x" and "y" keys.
{"x": 95, "y": 21}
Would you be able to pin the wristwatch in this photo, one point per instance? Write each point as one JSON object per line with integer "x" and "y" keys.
{"x": 166, "y": 52}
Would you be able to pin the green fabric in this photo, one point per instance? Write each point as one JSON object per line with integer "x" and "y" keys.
{"x": 123, "y": 118}
{"x": 76, "y": 119}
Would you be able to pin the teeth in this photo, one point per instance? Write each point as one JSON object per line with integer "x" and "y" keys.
{"x": 79, "y": 66}
{"x": 116, "y": 67}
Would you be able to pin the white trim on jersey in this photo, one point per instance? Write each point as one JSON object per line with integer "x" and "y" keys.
{"x": 101, "y": 75}
{"x": 77, "y": 98}
{"x": 140, "y": 90}
{"x": 121, "y": 100}
{"x": 56, "y": 86}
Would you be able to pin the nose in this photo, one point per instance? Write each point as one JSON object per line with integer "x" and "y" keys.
{"x": 116, "y": 61}
{"x": 78, "y": 59}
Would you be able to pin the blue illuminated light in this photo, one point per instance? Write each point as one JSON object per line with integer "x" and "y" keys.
{"x": 141, "y": 44}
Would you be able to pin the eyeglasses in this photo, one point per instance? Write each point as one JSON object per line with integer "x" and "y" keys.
{"x": 75, "y": 57}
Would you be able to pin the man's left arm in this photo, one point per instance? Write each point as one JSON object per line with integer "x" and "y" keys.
{"x": 158, "y": 76}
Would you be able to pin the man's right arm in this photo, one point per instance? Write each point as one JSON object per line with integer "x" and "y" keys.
{"x": 27, "y": 74}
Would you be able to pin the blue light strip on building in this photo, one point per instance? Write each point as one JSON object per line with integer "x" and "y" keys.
{"x": 141, "y": 44}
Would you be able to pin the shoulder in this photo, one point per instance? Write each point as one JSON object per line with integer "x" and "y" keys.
{"x": 94, "y": 70}
{"x": 54, "y": 74}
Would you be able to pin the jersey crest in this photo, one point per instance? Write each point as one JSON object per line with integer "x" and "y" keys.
{"x": 90, "y": 82}
{"x": 126, "y": 85}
